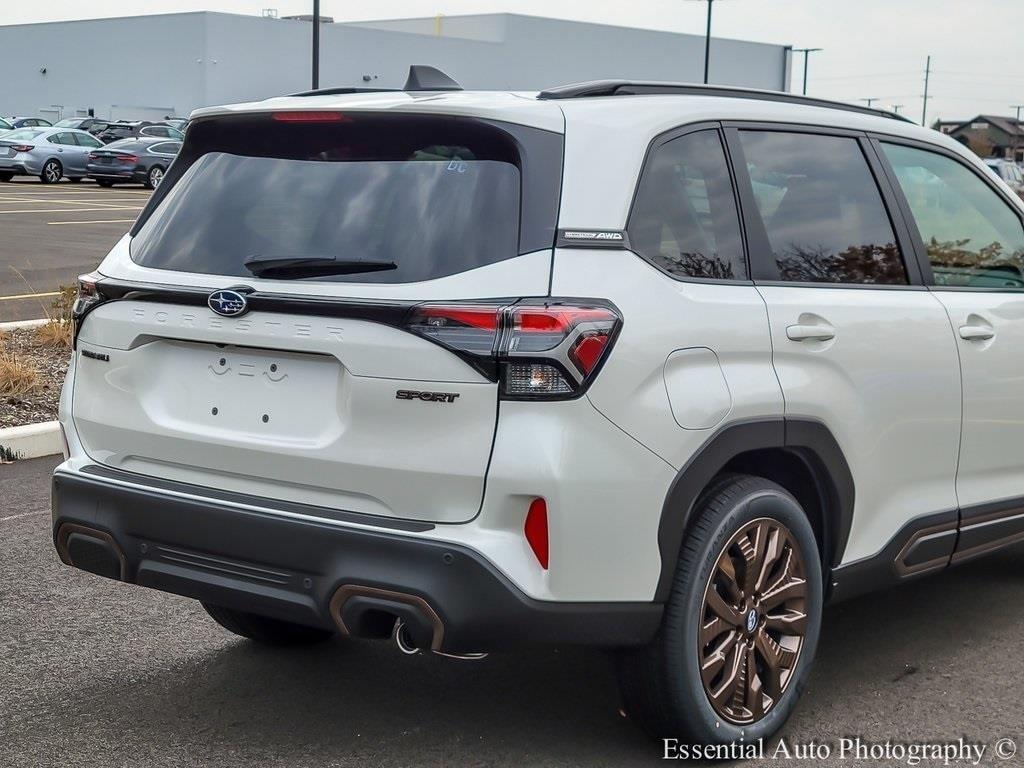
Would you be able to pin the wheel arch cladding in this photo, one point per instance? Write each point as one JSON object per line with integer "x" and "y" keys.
{"x": 755, "y": 447}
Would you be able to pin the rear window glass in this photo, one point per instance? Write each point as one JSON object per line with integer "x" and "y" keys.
{"x": 433, "y": 196}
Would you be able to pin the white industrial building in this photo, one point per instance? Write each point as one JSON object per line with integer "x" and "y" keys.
{"x": 153, "y": 66}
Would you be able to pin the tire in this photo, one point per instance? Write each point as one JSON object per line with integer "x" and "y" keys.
{"x": 662, "y": 686}
{"x": 105, "y": 182}
{"x": 52, "y": 172}
{"x": 264, "y": 630}
{"x": 154, "y": 177}
{"x": 5, "y": 177}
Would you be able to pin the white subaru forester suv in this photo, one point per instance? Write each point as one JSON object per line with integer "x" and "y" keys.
{"x": 651, "y": 367}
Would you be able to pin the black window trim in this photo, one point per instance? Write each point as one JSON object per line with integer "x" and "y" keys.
{"x": 924, "y": 264}
{"x": 758, "y": 247}
{"x": 655, "y": 144}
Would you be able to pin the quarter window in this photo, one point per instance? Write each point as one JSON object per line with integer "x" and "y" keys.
{"x": 684, "y": 220}
{"x": 972, "y": 236}
{"x": 821, "y": 208}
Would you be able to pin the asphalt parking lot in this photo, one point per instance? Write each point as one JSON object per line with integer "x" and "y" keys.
{"x": 50, "y": 234}
{"x": 96, "y": 673}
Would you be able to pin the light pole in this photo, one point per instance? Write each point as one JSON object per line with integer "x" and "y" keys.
{"x": 316, "y": 44}
{"x": 707, "y": 43}
{"x": 897, "y": 107}
{"x": 870, "y": 101}
{"x": 806, "y": 52}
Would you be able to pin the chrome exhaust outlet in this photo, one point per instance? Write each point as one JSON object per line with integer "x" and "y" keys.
{"x": 404, "y": 641}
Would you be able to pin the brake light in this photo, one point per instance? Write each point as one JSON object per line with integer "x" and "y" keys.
{"x": 23, "y": 147}
{"x": 536, "y": 531}
{"x": 128, "y": 159}
{"x": 538, "y": 350}
{"x": 311, "y": 116}
{"x": 93, "y": 156}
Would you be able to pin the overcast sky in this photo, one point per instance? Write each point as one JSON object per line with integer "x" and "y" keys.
{"x": 873, "y": 48}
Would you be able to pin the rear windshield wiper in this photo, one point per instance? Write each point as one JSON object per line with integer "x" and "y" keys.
{"x": 295, "y": 267}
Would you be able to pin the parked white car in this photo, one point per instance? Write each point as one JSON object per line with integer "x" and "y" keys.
{"x": 656, "y": 368}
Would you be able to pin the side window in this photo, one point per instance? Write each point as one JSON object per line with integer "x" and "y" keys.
{"x": 972, "y": 236}
{"x": 822, "y": 210}
{"x": 85, "y": 140}
{"x": 684, "y": 220}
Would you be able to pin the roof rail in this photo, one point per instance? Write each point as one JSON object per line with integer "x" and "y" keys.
{"x": 642, "y": 88}
{"x": 421, "y": 78}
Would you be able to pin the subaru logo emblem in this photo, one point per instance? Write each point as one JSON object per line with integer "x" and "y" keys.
{"x": 228, "y": 303}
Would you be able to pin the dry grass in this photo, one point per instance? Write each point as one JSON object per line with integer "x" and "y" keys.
{"x": 17, "y": 376}
{"x": 56, "y": 333}
{"x": 59, "y": 330}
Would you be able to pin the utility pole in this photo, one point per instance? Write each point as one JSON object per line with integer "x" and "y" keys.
{"x": 870, "y": 101}
{"x": 924, "y": 107}
{"x": 806, "y": 52}
{"x": 897, "y": 107}
{"x": 1016, "y": 133}
{"x": 316, "y": 44}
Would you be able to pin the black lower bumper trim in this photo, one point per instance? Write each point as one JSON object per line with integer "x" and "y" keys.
{"x": 291, "y": 568}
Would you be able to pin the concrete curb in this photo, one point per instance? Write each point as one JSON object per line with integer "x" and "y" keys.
{"x": 30, "y": 441}
{"x": 22, "y": 324}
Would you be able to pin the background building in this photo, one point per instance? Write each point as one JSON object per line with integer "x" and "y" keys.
{"x": 154, "y": 66}
{"x": 992, "y": 136}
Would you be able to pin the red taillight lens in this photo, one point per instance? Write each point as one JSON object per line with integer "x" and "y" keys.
{"x": 311, "y": 117}
{"x": 588, "y": 350}
{"x": 536, "y": 531}
{"x": 93, "y": 157}
{"x": 469, "y": 328}
{"x": 548, "y": 350}
{"x": 128, "y": 159}
{"x": 23, "y": 147}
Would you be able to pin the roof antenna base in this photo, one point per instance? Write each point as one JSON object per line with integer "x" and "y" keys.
{"x": 424, "y": 78}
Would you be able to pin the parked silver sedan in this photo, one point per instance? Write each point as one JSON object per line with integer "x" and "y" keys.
{"x": 49, "y": 153}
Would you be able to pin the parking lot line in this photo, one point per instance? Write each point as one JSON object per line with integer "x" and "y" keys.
{"x": 94, "y": 221}
{"x": 79, "y": 210}
{"x": 6, "y": 199}
{"x": 30, "y": 296}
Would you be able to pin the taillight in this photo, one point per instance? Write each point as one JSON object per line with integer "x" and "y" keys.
{"x": 128, "y": 159}
{"x": 93, "y": 157}
{"x": 23, "y": 147}
{"x": 311, "y": 116}
{"x": 88, "y": 297}
{"x": 537, "y": 349}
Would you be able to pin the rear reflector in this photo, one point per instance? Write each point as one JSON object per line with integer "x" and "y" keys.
{"x": 536, "y": 530}
{"x": 311, "y": 117}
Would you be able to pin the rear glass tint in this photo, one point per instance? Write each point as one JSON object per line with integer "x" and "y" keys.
{"x": 436, "y": 196}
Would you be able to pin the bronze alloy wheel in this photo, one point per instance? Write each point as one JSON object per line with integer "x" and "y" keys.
{"x": 753, "y": 622}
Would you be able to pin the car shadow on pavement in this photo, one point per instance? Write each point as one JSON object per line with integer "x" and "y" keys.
{"x": 363, "y": 703}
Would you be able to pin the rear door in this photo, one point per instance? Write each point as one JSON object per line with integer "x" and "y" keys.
{"x": 339, "y": 387}
{"x": 973, "y": 239}
{"x": 858, "y": 343}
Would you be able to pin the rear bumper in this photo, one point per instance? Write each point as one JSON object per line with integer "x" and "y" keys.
{"x": 284, "y": 565}
{"x": 18, "y": 169}
{"x": 115, "y": 174}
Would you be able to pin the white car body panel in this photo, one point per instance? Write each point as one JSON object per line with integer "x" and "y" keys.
{"x": 888, "y": 386}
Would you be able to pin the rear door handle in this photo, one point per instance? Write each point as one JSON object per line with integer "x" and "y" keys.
{"x": 810, "y": 332}
{"x": 977, "y": 332}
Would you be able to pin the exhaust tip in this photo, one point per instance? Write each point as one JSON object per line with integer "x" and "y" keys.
{"x": 403, "y": 639}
